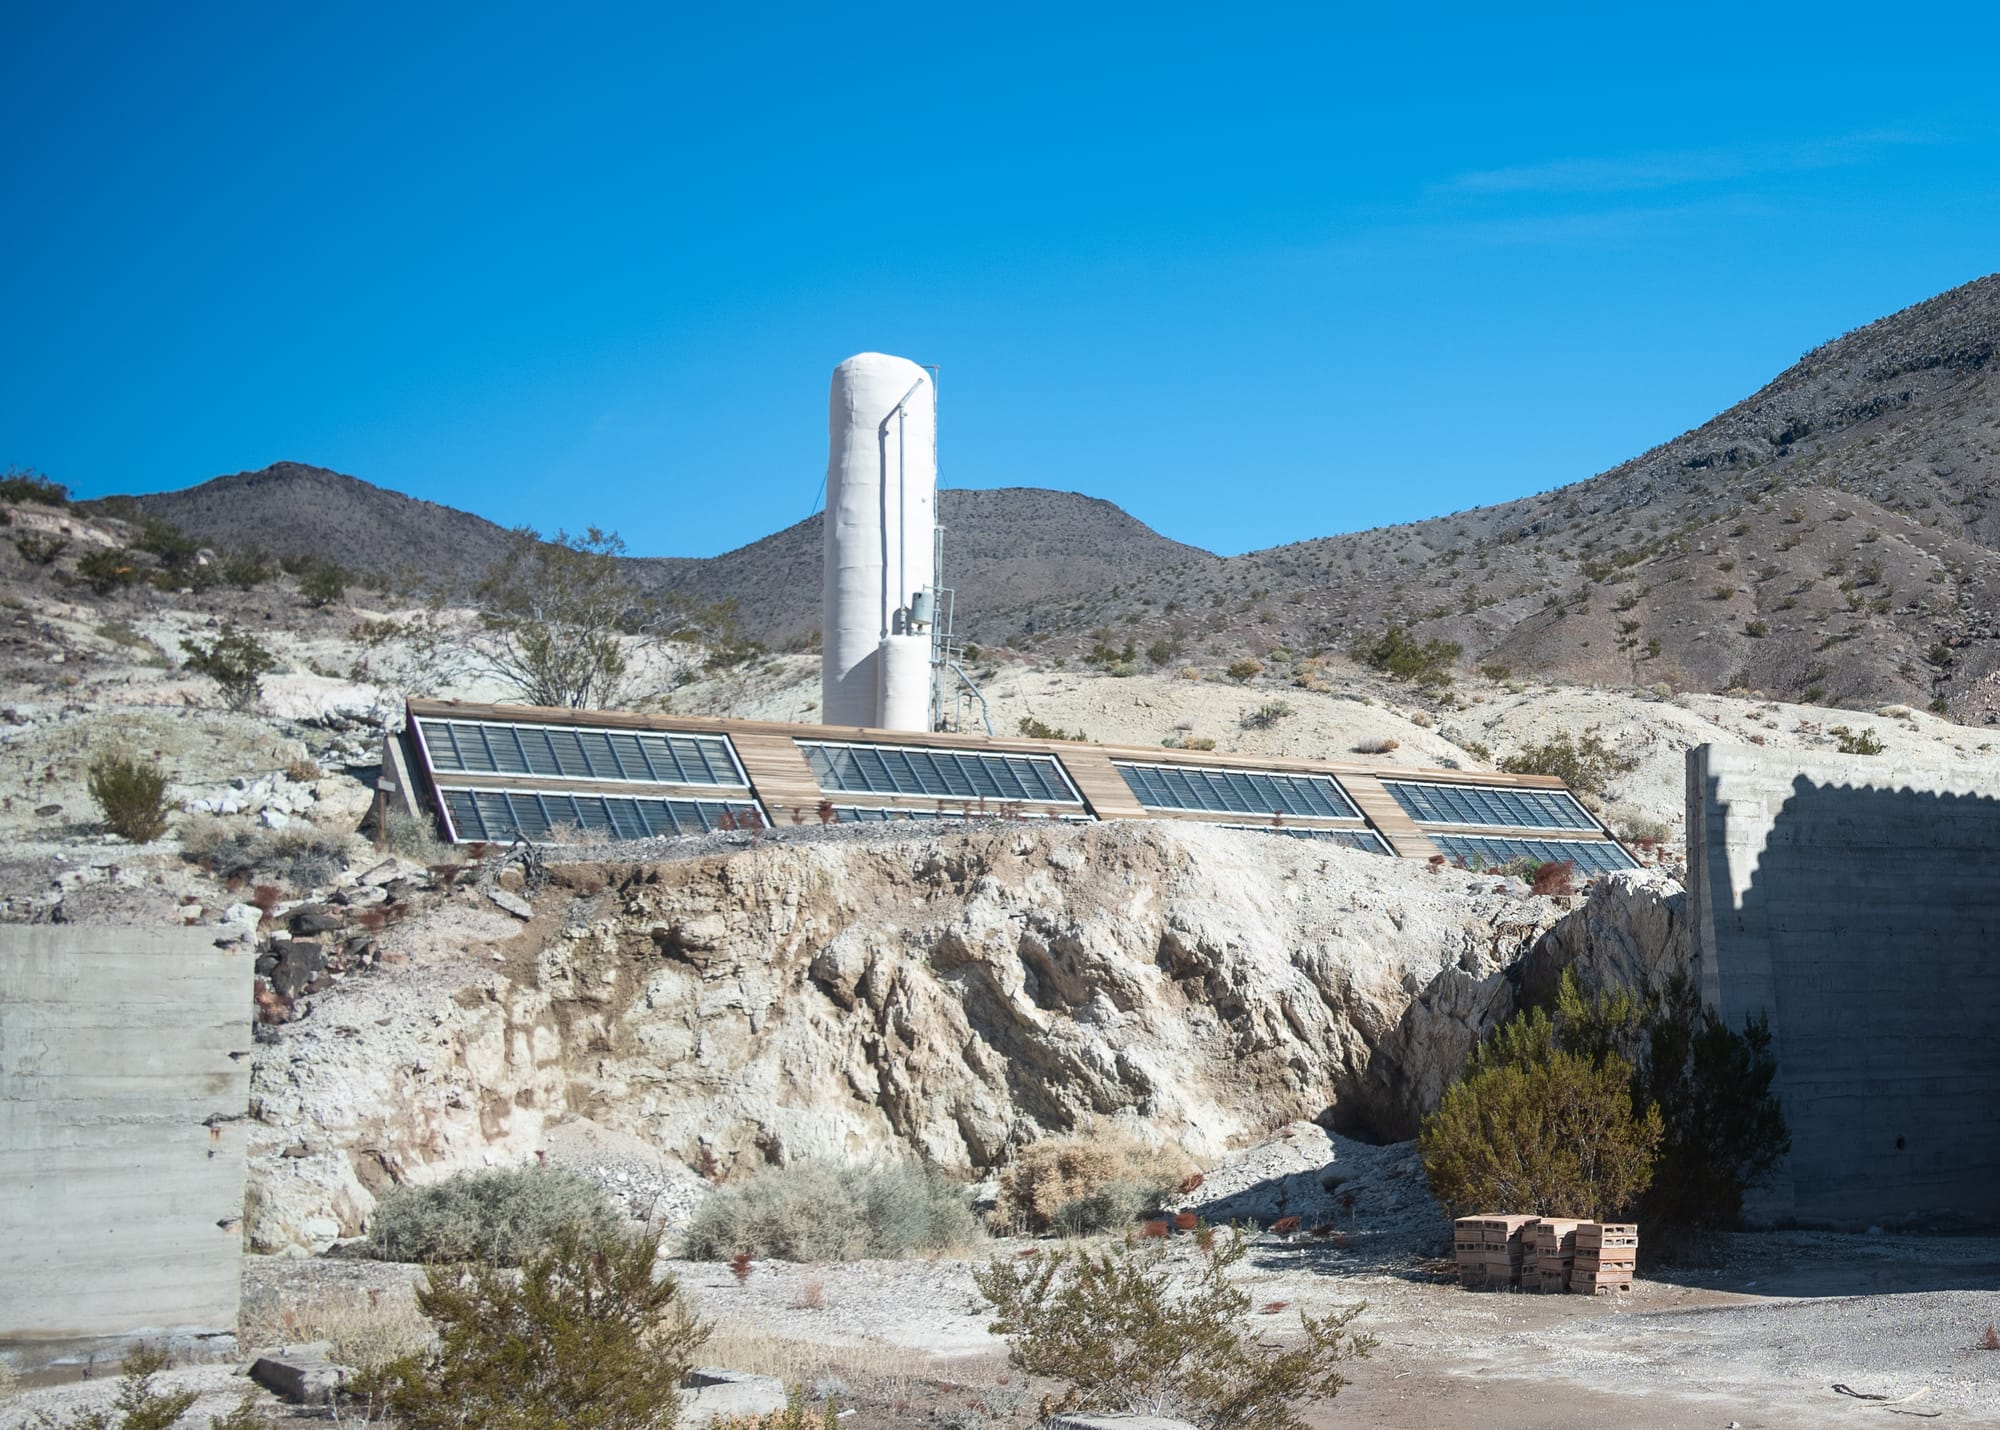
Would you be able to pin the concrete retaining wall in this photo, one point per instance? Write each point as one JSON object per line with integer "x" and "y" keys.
{"x": 1856, "y": 900}
{"x": 124, "y": 1080}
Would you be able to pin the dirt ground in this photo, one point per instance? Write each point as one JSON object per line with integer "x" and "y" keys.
{"x": 1765, "y": 1335}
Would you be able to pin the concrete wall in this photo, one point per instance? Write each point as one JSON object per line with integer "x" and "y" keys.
{"x": 124, "y": 1080}
{"x": 1856, "y": 900}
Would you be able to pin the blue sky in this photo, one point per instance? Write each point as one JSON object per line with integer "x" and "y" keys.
{"x": 1256, "y": 274}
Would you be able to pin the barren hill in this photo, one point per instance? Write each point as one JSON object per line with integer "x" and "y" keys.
{"x": 1834, "y": 537}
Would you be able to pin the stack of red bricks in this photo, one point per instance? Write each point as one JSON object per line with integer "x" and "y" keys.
{"x": 1555, "y": 1252}
{"x": 1497, "y": 1250}
{"x": 1607, "y": 1252}
{"x": 1492, "y": 1249}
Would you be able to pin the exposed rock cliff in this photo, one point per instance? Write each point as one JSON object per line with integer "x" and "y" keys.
{"x": 951, "y": 993}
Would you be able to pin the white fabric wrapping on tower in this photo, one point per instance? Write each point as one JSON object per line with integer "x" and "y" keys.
{"x": 905, "y": 663}
{"x": 881, "y": 486}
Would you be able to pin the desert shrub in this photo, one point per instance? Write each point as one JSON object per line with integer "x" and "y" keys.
{"x": 1123, "y": 1332}
{"x": 414, "y": 839}
{"x": 1552, "y": 877}
{"x": 236, "y": 662}
{"x": 39, "y": 550}
{"x": 1585, "y": 763}
{"x": 1266, "y": 715}
{"x": 1162, "y": 652}
{"x": 503, "y": 1217}
{"x": 1722, "y": 1130}
{"x": 1035, "y": 730}
{"x": 826, "y": 1211}
{"x": 1245, "y": 669}
{"x": 1496, "y": 671}
{"x": 108, "y": 571}
{"x": 589, "y": 1334}
{"x": 247, "y": 567}
{"x": 132, "y": 795}
{"x": 300, "y": 854}
{"x": 166, "y": 544}
{"x": 20, "y": 484}
{"x": 1398, "y": 654}
{"x": 1857, "y": 742}
{"x": 1087, "y": 1183}
{"x": 1378, "y": 745}
{"x": 1536, "y": 1127}
{"x": 322, "y": 583}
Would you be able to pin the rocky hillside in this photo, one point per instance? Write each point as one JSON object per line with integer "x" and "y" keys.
{"x": 953, "y": 995}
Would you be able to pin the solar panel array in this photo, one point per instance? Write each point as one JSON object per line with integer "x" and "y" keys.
{"x": 1363, "y": 839}
{"x": 1488, "y": 805}
{"x": 501, "y": 816}
{"x": 1219, "y": 791}
{"x": 579, "y": 753}
{"x": 879, "y": 814}
{"x": 940, "y": 774}
{"x": 1485, "y": 851}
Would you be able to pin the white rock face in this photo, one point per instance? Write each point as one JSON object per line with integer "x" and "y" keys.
{"x": 956, "y": 994}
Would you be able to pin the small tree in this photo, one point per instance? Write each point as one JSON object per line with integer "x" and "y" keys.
{"x": 1534, "y": 1126}
{"x": 1123, "y": 1334}
{"x": 132, "y": 794}
{"x": 247, "y": 567}
{"x": 588, "y": 1335}
{"x": 322, "y": 583}
{"x": 108, "y": 571}
{"x": 559, "y": 619}
{"x": 236, "y": 662}
{"x": 1398, "y": 654}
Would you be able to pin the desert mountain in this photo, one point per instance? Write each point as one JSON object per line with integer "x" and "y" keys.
{"x": 1833, "y": 537}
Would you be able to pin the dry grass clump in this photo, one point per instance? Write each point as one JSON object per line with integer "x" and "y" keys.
{"x": 1380, "y": 745}
{"x": 824, "y": 1211}
{"x": 415, "y": 839}
{"x": 366, "y": 1329}
{"x": 300, "y": 855}
{"x": 1087, "y": 1183}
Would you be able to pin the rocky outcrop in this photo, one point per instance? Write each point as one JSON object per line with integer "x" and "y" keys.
{"x": 954, "y": 994}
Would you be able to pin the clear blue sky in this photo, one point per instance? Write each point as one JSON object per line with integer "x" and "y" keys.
{"x": 1254, "y": 273}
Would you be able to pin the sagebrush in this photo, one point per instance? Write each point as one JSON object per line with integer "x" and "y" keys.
{"x": 237, "y": 662}
{"x": 131, "y": 794}
{"x": 1139, "y": 1329}
{"x": 504, "y": 1217}
{"x": 825, "y": 1211}
{"x": 1400, "y": 655}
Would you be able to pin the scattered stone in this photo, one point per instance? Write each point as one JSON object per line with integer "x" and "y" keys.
{"x": 514, "y": 904}
{"x": 299, "y": 967}
{"x": 713, "y": 1393}
{"x": 47, "y": 811}
{"x": 301, "y": 1374}
{"x": 312, "y": 919}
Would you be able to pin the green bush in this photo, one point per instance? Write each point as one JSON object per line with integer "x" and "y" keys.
{"x": 1398, "y": 654}
{"x": 322, "y": 583}
{"x": 1722, "y": 1131}
{"x": 1536, "y": 1127}
{"x": 825, "y": 1211}
{"x": 1123, "y": 1333}
{"x": 1585, "y": 763}
{"x": 588, "y": 1335}
{"x": 20, "y": 484}
{"x": 236, "y": 662}
{"x": 167, "y": 545}
{"x": 247, "y": 567}
{"x": 39, "y": 550}
{"x": 1036, "y": 730}
{"x": 1857, "y": 742}
{"x": 504, "y": 1217}
{"x": 1245, "y": 669}
{"x": 132, "y": 794}
{"x": 108, "y": 571}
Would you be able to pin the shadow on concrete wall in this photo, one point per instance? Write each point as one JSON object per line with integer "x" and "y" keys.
{"x": 1870, "y": 930}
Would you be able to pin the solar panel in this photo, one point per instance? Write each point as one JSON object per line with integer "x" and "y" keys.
{"x": 569, "y": 752}
{"x": 1486, "y": 804}
{"x": 941, "y": 774}
{"x": 1484, "y": 851}
{"x": 1219, "y": 791}
{"x": 1364, "y": 839}
{"x": 874, "y": 814}
{"x": 501, "y": 816}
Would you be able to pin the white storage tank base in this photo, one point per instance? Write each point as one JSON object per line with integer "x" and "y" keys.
{"x": 904, "y": 663}
{"x": 881, "y": 483}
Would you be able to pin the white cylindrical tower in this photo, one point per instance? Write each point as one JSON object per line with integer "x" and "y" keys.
{"x": 881, "y": 492}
